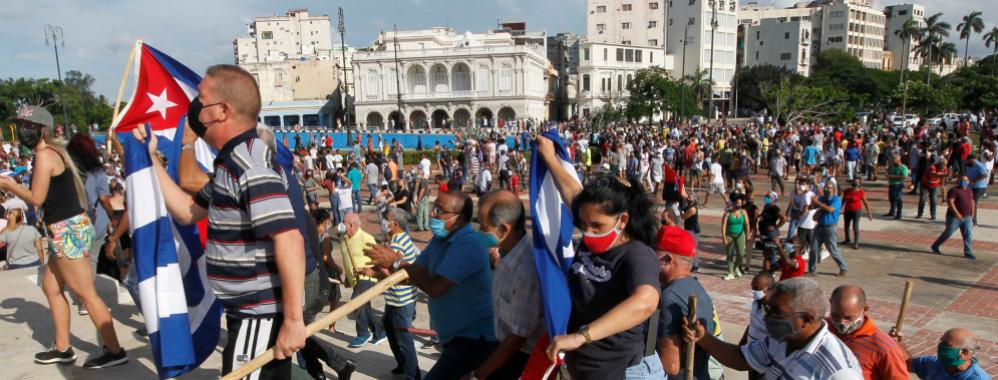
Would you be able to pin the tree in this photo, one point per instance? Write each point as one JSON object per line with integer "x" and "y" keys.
{"x": 972, "y": 23}
{"x": 802, "y": 102}
{"x": 83, "y": 106}
{"x": 648, "y": 90}
{"x": 934, "y": 30}
{"x": 946, "y": 53}
{"x": 909, "y": 30}
{"x": 928, "y": 99}
{"x": 751, "y": 80}
{"x": 991, "y": 38}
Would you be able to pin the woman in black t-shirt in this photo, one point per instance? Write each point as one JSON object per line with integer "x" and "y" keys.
{"x": 614, "y": 281}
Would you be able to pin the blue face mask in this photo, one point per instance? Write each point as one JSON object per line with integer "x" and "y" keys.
{"x": 487, "y": 239}
{"x": 964, "y": 183}
{"x": 437, "y": 227}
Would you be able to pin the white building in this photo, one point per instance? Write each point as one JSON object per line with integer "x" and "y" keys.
{"x": 449, "y": 78}
{"x": 854, "y": 27}
{"x": 780, "y": 43}
{"x": 897, "y": 15}
{"x": 626, "y": 22}
{"x": 706, "y": 46}
{"x": 605, "y": 71}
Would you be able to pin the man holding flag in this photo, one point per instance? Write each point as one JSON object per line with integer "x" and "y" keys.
{"x": 255, "y": 252}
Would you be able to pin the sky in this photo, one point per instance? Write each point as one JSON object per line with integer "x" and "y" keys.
{"x": 98, "y": 34}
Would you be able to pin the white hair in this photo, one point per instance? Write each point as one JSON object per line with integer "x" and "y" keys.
{"x": 806, "y": 296}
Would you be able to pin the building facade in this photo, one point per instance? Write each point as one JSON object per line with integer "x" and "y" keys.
{"x": 449, "y": 79}
{"x": 606, "y": 70}
{"x": 627, "y": 22}
{"x": 707, "y": 31}
{"x": 780, "y": 43}
{"x": 901, "y": 51}
{"x": 856, "y": 28}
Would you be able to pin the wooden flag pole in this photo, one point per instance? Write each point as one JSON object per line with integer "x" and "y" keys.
{"x": 904, "y": 305}
{"x": 691, "y": 345}
{"x": 321, "y": 324}
{"x": 121, "y": 90}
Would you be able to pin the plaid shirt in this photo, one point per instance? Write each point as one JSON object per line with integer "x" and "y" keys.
{"x": 516, "y": 295}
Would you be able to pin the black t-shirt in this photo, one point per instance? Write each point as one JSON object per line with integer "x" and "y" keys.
{"x": 598, "y": 283}
{"x": 404, "y": 194}
{"x": 770, "y": 216}
{"x": 674, "y": 306}
{"x": 691, "y": 224}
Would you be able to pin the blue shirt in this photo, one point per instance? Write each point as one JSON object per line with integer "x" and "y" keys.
{"x": 831, "y": 218}
{"x": 929, "y": 368}
{"x": 852, "y": 154}
{"x": 978, "y": 170}
{"x": 811, "y": 155}
{"x": 464, "y": 310}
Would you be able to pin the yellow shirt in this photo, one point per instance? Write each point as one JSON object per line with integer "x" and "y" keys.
{"x": 352, "y": 249}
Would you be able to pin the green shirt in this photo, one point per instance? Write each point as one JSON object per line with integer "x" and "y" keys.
{"x": 899, "y": 170}
{"x": 355, "y": 177}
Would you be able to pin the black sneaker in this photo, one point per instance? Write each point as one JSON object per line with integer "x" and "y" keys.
{"x": 107, "y": 359}
{"x": 55, "y": 356}
{"x": 347, "y": 370}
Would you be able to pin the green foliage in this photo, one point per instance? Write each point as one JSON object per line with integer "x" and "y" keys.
{"x": 751, "y": 80}
{"x": 654, "y": 91}
{"x": 926, "y": 100}
{"x": 83, "y": 106}
{"x": 799, "y": 102}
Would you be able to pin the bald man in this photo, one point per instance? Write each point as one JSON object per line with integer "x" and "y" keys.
{"x": 880, "y": 356}
{"x": 954, "y": 358}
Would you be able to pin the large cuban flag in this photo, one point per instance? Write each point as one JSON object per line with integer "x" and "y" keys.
{"x": 553, "y": 251}
{"x": 180, "y": 311}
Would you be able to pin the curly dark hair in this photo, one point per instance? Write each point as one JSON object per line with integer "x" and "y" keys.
{"x": 84, "y": 153}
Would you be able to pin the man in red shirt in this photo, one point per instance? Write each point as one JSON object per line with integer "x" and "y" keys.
{"x": 879, "y": 355}
{"x": 931, "y": 181}
{"x": 791, "y": 263}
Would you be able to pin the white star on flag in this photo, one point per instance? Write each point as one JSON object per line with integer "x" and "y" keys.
{"x": 160, "y": 103}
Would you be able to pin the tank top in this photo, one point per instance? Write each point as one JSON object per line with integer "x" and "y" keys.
{"x": 61, "y": 201}
{"x": 736, "y": 225}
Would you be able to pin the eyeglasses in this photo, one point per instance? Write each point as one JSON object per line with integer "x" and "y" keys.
{"x": 437, "y": 210}
{"x": 771, "y": 312}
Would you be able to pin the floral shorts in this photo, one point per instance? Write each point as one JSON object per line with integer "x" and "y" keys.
{"x": 71, "y": 237}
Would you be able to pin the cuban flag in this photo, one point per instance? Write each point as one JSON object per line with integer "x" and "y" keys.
{"x": 182, "y": 316}
{"x": 553, "y": 251}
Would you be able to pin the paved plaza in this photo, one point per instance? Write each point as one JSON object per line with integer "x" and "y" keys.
{"x": 949, "y": 291}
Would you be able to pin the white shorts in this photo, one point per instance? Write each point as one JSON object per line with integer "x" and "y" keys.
{"x": 716, "y": 188}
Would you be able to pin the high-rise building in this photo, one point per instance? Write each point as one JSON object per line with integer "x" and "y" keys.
{"x": 277, "y": 38}
{"x": 897, "y": 15}
{"x": 626, "y": 22}
{"x": 854, "y": 27}
{"x": 705, "y": 32}
{"x": 780, "y": 43}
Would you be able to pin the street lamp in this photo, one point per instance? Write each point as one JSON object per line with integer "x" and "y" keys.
{"x": 55, "y": 34}
{"x": 710, "y": 75}
{"x": 342, "y": 28}
{"x": 682, "y": 76}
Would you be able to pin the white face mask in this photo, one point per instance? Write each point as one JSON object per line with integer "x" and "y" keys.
{"x": 341, "y": 228}
{"x": 758, "y": 294}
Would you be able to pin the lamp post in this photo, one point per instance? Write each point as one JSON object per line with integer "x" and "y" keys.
{"x": 398, "y": 73}
{"x": 710, "y": 75}
{"x": 54, "y": 33}
{"x": 343, "y": 47}
{"x": 682, "y": 76}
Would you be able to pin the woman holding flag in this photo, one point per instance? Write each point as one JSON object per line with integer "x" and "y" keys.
{"x": 614, "y": 280}
{"x": 56, "y": 188}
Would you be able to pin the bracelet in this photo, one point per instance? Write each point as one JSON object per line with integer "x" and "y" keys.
{"x": 584, "y": 330}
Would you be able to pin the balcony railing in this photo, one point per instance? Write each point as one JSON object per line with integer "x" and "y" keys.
{"x": 451, "y": 94}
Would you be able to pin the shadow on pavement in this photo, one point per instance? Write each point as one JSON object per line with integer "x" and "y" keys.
{"x": 39, "y": 320}
{"x": 949, "y": 282}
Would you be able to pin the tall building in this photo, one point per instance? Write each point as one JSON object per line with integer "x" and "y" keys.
{"x": 449, "y": 79}
{"x": 854, "y": 27}
{"x": 626, "y": 22}
{"x": 606, "y": 71}
{"x": 275, "y": 38}
{"x": 780, "y": 43}
{"x": 707, "y": 31}
{"x": 897, "y": 15}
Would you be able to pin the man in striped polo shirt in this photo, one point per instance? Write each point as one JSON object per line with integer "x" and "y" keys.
{"x": 400, "y": 300}
{"x": 255, "y": 252}
{"x": 798, "y": 346}
{"x": 878, "y": 353}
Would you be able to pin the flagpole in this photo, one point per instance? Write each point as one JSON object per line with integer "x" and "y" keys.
{"x": 121, "y": 90}
{"x": 323, "y": 323}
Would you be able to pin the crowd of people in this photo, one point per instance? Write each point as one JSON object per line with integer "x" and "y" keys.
{"x": 278, "y": 253}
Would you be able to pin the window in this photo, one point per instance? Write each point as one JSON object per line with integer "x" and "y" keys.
{"x": 652, "y": 42}
{"x": 620, "y": 82}
{"x": 604, "y": 55}
{"x": 585, "y": 82}
{"x": 786, "y": 35}
{"x": 637, "y": 56}
{"x": 693, "y": 21}
{"x": 482, "y": 79}
{"x": 310, "y": 120}
{"x": 625, "y": 7}
{"x": 272, "y": 121}
{"x": 506, "y": 78}
{"x": 651, "y": 57}
{"x": 756, "y": 55}
{"x": 784, "y": 56}
{"x": 601, "y": 9}
{"x": 629, "y": 55}
{"x": 625, "y": 25}
{"x": 902, "y": 12}
{"x": 373, "y": 84}
{"x": 693, "y": 2}
{"x": 670, "y": 3}
{"x": 291, "y": 120}
{"x": 600, "y": 28}
{"x": 838, "y": 13}
{"x": 585, "y": 54}
{"x": 652, "y": 24}
{"x": 652, "y": 5}
{"x": 392, "y": 85}
{"x": 670, "y": 22}
{"x": 268, "y": 35}
{"x": 620, "y": 55}
{"x": 757, "y": 33}
{"x": 625, "y": 42}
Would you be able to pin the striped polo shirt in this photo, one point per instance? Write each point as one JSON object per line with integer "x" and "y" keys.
{"x": 401, "y": 295}
{"x": 247, "y": 202}
{"x": 824, "y": 357}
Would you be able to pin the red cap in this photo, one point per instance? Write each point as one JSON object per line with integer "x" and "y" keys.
{"x": 676, "y": 241}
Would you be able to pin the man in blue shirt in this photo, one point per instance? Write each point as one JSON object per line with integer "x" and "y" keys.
{"x": 979, "y": 176}
{"x": 829, "y": 207}
{"x": 852, "y": 157}
{"x": 954, "y": 359}
{"x": 455, "y": 271}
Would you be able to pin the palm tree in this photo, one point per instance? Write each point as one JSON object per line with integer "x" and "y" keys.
{"x": 910, "y": 30}
{"x": 947, "y": 53}
{"x": 934, "y": 29}
{"x": 991, "y": 38}
{"x": 972, "y": 23}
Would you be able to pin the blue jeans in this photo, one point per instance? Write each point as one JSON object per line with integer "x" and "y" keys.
{"x": 792, "y": 230}
{"x": 373, "y": 189}
{"x": 978, "y": 194}
{"x": 894, "y": 198}
{"x": 132, "y": 285}
{"x": 356, "y": 199}
{"x": 828, "y": 236}
{"x": 396, "y": 319}
{"x": 966, "y": 228}
{"x": 649, "y": 368}
{"x": 460, "y": 356}
{"x": 365, "y": 314}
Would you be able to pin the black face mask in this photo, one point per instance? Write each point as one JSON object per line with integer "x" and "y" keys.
{"x": 29, "y": 136}
{"x": 194, "y": 116}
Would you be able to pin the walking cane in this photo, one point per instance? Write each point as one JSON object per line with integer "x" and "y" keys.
{"x": 691, "y": 345}
{"x": 904, "y": 305}
{"x": 321, "y": 324}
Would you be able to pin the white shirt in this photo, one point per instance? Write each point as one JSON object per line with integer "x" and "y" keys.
{"x": 824, "y": 357}
{"x": 425, "y": 165}
{"x": 802, "y": 201}
{"x": 337, "y": 161}
{"x": 717, "y": 172}
{"x": 485, "y": 178}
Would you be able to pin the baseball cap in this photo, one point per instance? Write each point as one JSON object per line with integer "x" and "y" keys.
{"x": 35, "y": 114}
{"x": 676, "y": 241}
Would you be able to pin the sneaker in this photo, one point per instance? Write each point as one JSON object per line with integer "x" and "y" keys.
{"x": 729, "y": 277}
{"x": 81, "y": 310}
{"x": 107, "y": 359}
{"x": 842, "y": 273}
{"x": 738, "y": 273}
{"x": 970, "y": 257}
{"x": 347, "y": 370}
{"x": 935, "y": 251}
{"x": 377, "y": 341}
{"x": 55, "y": 356}
{"x": 358, "y": 342}
{"x": 432, "y": 343}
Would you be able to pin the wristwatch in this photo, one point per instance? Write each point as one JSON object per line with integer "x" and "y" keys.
{"x": 397, "y": 264}
{"x": 187, "y": 146}
{"x": 584, "y": 330}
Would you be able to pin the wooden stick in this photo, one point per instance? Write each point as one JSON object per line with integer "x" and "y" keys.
{"x": 691, "y": 346}
{"x": 904, "y": 305}
{"x": 121, "y": 90}
{"x": 321, "y": 324}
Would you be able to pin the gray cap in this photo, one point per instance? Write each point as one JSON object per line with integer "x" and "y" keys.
{"x": 35, "y": 114}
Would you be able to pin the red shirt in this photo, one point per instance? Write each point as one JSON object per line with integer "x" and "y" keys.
{"x": 787, "y": 272}
{"x": 878, "y": 353}
{"x": 852, "y": 199}
{"x": 443, "y": 187}
{"x": 965, "y": 151}
{"x": 933, "y": 177}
